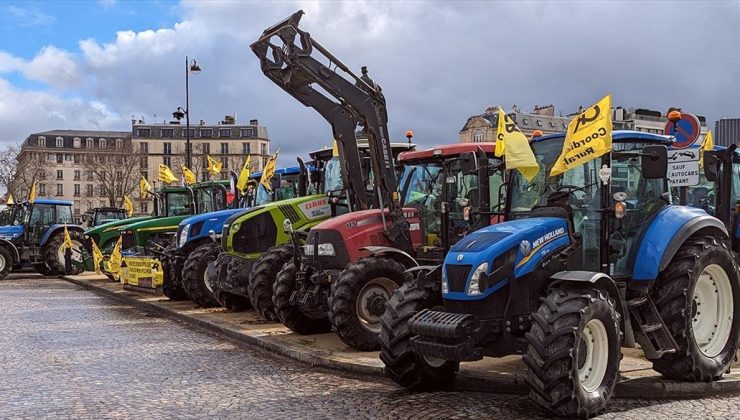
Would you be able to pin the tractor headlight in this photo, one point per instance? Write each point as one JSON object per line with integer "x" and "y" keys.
{"x": 445, "y": 287}
{"x": 474, "y": 285}
{"x": 183, "y": 236}
{"x": 325, "y": 250}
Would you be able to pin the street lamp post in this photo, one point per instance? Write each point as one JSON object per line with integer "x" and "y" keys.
{"x": 190, "y": 67}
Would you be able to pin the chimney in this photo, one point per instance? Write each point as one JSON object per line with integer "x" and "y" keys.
{"x": 254, "y": 122}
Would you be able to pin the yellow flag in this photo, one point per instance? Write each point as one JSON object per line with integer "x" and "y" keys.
{"x": 589, "y": 136}
{"x": 67, "y": 244}
{"x": 514, "y": 146}
{"x": 115, "y": 260}
{"x": 10, "y": 201}
{"x": 97, "y": 257}
{"x": 165, "y": 174}
{"x": 144, "y": 187}
{"x": 188, "y": 175}
{"x": 32, "y": 193}
{"x": 243, "y": 180}
{"x": 128, "y": 205}
{"x": 334, "y": 149}
{"x": 214, "y": 167}
{"x": 707, "y": 144}
{"x": 269, "y": 171}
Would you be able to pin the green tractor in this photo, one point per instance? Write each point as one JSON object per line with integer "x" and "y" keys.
{"x": 103, "y": 215}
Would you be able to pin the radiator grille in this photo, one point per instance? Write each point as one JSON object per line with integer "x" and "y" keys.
{"x": 457, "y": 276}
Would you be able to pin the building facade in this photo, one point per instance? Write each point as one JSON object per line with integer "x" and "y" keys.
{"x": 96, "y": 168}
{"x": 647, "y": 120}
{"x": 727, "y": 131}
{"x": 482, "y": 128}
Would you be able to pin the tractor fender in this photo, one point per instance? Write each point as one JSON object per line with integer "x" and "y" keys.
{"x": 14, "y": 251}
{"x": 668, "y": 230}
{"x": 396, "y": 254}
{"x": 55, "y": 228}
{"x": 597, "y": 280}
{"x": 427, "y": 276}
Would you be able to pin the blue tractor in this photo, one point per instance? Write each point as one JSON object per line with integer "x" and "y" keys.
{"x": 584, "y": 266}
{"x": 35, "y": 235}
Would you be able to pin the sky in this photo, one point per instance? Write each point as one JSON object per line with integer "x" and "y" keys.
{"x": 96, "y": 64}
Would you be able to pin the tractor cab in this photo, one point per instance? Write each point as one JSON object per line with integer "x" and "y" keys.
{"x": 102, "y": 215}
{"x": 38, "y": 217}
{"x": 6, "y": 214}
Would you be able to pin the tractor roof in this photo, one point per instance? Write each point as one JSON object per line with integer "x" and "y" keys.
{"x": 621, "y": 135}
{"x": 446, "y": 150}
{"x": 49, "y": 201}
{"x": 293, "y": 170}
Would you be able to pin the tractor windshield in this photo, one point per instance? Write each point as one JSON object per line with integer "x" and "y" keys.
{"x": 333, "y": 176}
{"x": 105, "y": 216}
{"x": 288, "y": 187}
{"x": 174, "y": 203}
{"x": 421, "y": 187}
{"x": 20, "y": 216}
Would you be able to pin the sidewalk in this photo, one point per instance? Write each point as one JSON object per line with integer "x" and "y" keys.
{"x": 501, "y": 375}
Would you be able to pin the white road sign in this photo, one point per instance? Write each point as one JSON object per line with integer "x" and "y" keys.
{"x": 683, "y": 167}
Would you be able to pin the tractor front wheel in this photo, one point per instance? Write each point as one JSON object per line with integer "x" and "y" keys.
{"x": 290, "y": 314}
{"x": 697, "y": 297}
{"x": 6, "y": 262}
{"x": 194, "y": 274}
{"x": 573, "y": 352}
{"x": 54, "y": 252}
{"x": 405, "y": 367}
{"x": 262, "y": 278}
{"x": 358, "y": 300}
{"x": 235, "y": 299}
{"x": 171, "y": 286}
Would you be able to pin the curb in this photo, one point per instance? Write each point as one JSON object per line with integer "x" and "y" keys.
{"x": 467, "y": 379}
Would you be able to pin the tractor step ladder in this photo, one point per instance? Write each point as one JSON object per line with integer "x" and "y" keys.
{"x": 651, "y": 333}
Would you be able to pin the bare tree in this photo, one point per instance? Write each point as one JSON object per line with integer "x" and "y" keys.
{"x": 19, "y": 172}
{"x": 116, "y": 172}
{"x": 9, "y": 167}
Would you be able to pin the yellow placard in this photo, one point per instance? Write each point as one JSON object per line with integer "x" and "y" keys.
{"x": 143, "y": 272}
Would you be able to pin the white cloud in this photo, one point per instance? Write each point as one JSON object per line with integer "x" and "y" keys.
{"x": 29, "y": 16}
{"x": 10, "y": 63}
{"x": 54, "y": 67}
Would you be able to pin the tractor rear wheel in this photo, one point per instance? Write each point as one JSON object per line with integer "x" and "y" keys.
{"x": 42, "y": 269}
{"x": 697, "y": 297}
{"x": 6, "y": 262}
{"x": 262, "y": 278}
{"x": 194, "y": 272}
{"x": 54, "y": 251}
{"x": 237, "y": 274}
{"x": 405, "y": 367}
{"x": 290, "y": 314}
{"x": 573, "y": 352}
{"x": 171, "y": 286}
{"x": 358, "y": 300}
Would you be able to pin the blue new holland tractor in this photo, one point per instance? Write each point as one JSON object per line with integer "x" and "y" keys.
{"x": 35, "y": 235}
{"x": 589, "y": 261}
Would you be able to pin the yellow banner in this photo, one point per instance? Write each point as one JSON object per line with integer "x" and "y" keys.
{"x": 514, "y": 146}
{"x": 114, "y": 262}
{"x": 243, "y": 180}
{"x": 589, "y": 136}
{"x": 10, "y": 201}
{"x": 97, "y": 257}
{"x": 165, "y": 174}
{"x": 269, "y": 171}
{"x": 214, "y": 167}
{"x": 67, "y": 244}
{"x": 707, "y": 144}
{"x": 144, "y": 187}
{"x": 32, "y": 193}
{"x": 188, "y": 175}
{"x": 143, "y": 272}
{"x": 128, "y": 205}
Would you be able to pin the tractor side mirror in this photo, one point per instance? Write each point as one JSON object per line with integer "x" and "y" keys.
{"x": 468, "y": 163}
{"x": 711, "y": 166}
{"x": 654, "y": 162}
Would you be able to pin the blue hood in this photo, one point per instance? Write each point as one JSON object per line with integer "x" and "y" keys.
{"x": 525, "y": 242}
{"x": 201, "y": 224}
{"x": 11, "y": 231}
{"x": 221, "y": 214}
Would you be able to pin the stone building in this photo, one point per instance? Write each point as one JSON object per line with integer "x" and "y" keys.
{"x": 482, "y": 128}
{"x": 727, "y": 131}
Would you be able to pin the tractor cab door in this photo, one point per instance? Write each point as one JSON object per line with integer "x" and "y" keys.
{"x": 583, "y": 186}
{"x": 41, "y": 218}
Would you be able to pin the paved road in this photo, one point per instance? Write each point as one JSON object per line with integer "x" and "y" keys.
{"x": 68, "y": 353}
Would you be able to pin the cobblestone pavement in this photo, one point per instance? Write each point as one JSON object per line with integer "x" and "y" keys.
{"x": 68, "y": 353}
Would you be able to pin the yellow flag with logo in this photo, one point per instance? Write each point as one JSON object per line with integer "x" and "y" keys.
{"x": 10, "y": 201}
{"x": 115, "y": 260}
{"x": 589, "y": 136}
{"x": 707, "y": 144}
{"x": 214, "y": 166}
{"x": 334, "y": 149}
{"x": 67, "y": 244}
{"x": 165, "y": 174}
{"x": 144, "y": 187}
{"x": 513, "y": 145}
{"x": 188, "y": 175}
{"x": 243, "y": 180}
{"x": 32, "y": 193}
{"x": 269, "y": 171}
{"x": 97, "y": 257}
{"x": 128, "y": 205}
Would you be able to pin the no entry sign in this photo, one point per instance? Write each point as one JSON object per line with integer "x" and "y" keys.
{"x": 687, "y": 130}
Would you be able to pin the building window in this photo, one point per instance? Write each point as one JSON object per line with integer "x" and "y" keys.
{"x": 143, "y": 163}
{"x": 89, "y": 189}
{"x": 76, "y": 142}
{"x": 67, "y": 157}
{"x": 89, "y": 143}
{"x": 144, "y": 132}
{"x": 60, "y": 142}
{"x": 167, "y": 160}
{"x": 60, "y": 158}
{"x": 119, "y": 175}
{"x": 60, "y": 174}
{"x": 52, "y": 156}
{"x": 77, "y": 190}
{"x": 206, "y": 132}
{"x": 206, "y": 148}
{"x": 144, "y": 147}
{"x": 119, "y": 143}
{"x": 245, "y": 148}
{"x": 168, "y": 133}
{"x": 224, "y": 148}
{"x": 102, "y": 191}
{"x": 77, "y": 158}
{"x": 42, "y": 189}
{"x": 247, "y": 132}
{"x": 263, "y": 149}
{"x": 167, "y": 148}
{"x": 102, "y": 143}
{"x": 539, "y": 123}
{"x": 144, "y": 207}
{"x": 185, "y": 133}
{"x": 77, "y": 174}
{"x": 103, "y": 176}
{"x": 89, "y": 175}
{"x": 224, "y": 163}
{"x": 478, "y": 136}
{"x": 42, "y": 141}
{"x": 60, "y": 189}
{"x": 224, "y": 132}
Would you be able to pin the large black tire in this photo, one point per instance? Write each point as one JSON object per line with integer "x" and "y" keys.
{"x": 235, "y": 299}
{"x": 262, "y": 278}
{"x": 54, "y": 255}
{"x": 171, "y": 285}
{"x": 42, "y": 269}
{"x": 358, "y": 300}
{"x": 194, "y": 271}
{"x": 571, "y": 332}
{"x": 6, "y": 262}
{"x": 291, "y": 315}
{"x": 405, "y": 367}
{"x": 675, "y": 297}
